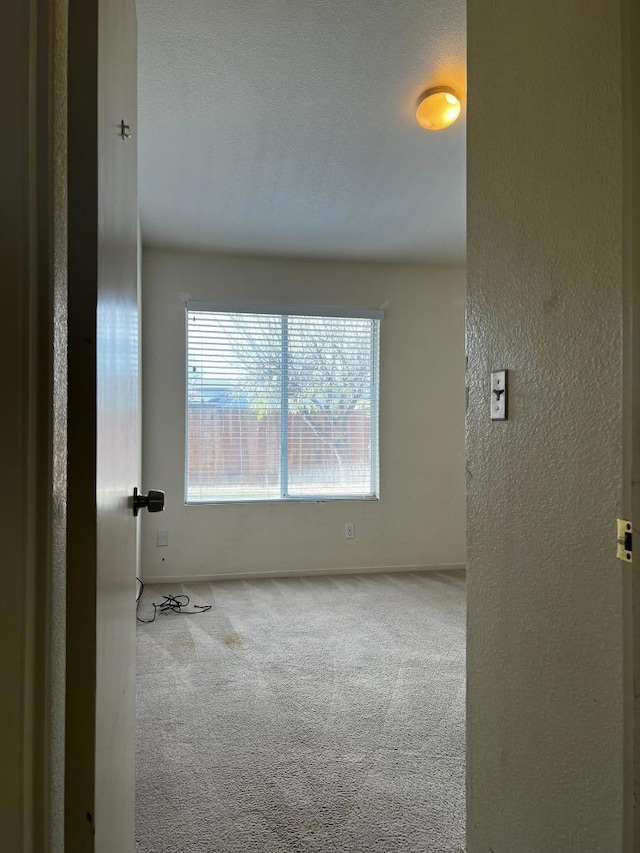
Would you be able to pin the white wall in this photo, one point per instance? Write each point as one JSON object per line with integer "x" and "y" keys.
{"x": 420, "y": 517}
{"x": 546, "y": 728}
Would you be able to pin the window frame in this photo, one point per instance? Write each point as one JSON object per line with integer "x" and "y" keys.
{"x": 286, "y": 311}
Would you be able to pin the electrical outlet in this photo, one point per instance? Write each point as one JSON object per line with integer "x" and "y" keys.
{"x": 162, "y": 538}
{"x": 349, "y": 530}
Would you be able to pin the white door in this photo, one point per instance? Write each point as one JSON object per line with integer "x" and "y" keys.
{"x": 103, "y": 427}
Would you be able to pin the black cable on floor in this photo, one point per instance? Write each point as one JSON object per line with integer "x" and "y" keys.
{"x": 170, "y": 604}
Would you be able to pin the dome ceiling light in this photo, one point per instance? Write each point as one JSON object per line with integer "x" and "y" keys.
{"x": 438, "y": 108}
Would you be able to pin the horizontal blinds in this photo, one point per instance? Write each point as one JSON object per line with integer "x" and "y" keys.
{"x": 285, "y": 310}
{"x": 234, "y": 387}
{"x": 280, "y": 406}
{"x": 329, "y": 395}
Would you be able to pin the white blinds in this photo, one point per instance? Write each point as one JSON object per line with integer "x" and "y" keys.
{"x": 280, "y": 406}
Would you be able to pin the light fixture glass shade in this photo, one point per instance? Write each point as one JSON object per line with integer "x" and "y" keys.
{"x": 438, "y": 108}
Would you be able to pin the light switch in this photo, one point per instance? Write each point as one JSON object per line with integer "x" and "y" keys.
{"x": 162, "y": 538}
{"x": 499, "y": 395}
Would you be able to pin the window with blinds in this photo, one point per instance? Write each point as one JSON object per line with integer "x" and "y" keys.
{"x": 281, "y": 406}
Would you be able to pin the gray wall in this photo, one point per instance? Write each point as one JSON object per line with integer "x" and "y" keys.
{"x": 32, "y": 428}
{"x": 545, "y": 260}
{"x": 419, "y": 519}
{"x": 17, "y": 313}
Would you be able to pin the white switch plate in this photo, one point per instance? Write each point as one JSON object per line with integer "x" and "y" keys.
{"x": 349, "y": 530}
{"x": 162, "y": 538}
{"x": 499, "y": 395}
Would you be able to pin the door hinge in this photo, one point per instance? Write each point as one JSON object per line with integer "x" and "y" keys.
{"x": 624, "y": 539}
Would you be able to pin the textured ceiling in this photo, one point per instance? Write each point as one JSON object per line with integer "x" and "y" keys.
{"x": 286, "y": 127}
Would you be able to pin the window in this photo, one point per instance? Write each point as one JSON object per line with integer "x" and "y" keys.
{"x": 281, "y": 406}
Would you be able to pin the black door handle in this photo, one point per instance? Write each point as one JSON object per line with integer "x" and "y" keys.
{"x": 154, "y": 501}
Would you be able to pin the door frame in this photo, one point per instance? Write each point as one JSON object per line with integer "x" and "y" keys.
{"x": 631, "y": 392}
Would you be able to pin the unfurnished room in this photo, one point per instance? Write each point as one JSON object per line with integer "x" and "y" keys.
{"x": 302, "y": 601}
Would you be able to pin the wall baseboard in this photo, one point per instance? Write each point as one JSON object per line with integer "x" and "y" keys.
{"x": 295, "y": 573}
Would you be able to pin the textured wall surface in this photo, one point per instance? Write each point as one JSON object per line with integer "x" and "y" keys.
{"x": 59, "y": 436}
{"x": 419, "y": 519}
{"x": 545, "y": 644}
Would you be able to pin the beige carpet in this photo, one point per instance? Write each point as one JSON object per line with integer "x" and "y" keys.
{"x": 305, "y": 715}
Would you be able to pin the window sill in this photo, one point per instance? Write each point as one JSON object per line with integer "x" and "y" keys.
{"x": 286, "y": 501}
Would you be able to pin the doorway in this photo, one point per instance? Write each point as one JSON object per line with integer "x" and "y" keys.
{"x": 603, "y": 807}
{"x": 303, "y": 291}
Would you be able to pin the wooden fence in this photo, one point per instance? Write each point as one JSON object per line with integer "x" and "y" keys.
{"x": 224, "y": 444}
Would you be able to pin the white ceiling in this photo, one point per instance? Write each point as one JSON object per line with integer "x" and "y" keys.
{"x": 286, "y": 127}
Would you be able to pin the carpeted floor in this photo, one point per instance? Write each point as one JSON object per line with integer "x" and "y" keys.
{"x": 304, "y": 715}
